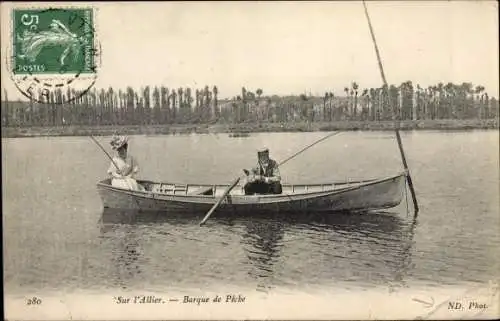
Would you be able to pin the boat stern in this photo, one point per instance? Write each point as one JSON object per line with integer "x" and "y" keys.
{"x": 114, "y": 197}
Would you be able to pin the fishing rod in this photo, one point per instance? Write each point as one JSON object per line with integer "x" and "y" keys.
{"x": 394, "y": 117}
{"x": 309, "y": 146}
{"x": 105, "y": 152}
{"x": 300, "y": 151}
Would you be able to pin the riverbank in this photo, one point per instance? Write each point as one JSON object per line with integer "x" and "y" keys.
{"x": 246, "y": 128}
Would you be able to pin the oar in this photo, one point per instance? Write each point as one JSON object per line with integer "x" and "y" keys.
{"x": 220, "y": 201}
{"x": 238, "y": 179}
{"x": 396, "y": 122}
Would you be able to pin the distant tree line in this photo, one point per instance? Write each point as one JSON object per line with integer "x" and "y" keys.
{"x": 161, "y": 105}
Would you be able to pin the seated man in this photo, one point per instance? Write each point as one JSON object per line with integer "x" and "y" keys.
{"x": 265, "y": 178}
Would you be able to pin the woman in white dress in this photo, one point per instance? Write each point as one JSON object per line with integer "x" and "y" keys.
{"x": 123, "y": 176}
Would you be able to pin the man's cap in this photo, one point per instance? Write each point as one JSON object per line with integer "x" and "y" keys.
{"x": 263, "y": 150}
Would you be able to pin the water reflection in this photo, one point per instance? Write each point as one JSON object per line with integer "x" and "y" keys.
{"x": 262, "y": 241}
{"x": 132, "y": 217}
{"x": 122, "y": 243}
{"x": 404, "y": 264}
{"x": 372, "y": 248}
{"x": 378, "y": 246}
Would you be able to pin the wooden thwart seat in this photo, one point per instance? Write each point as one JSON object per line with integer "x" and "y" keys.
{"x": 203, "y": 191}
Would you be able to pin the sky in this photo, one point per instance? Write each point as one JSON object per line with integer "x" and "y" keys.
{"x": 287, "y": 47}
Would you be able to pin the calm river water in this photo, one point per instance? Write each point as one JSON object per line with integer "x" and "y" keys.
{"x": 56, "y": 239}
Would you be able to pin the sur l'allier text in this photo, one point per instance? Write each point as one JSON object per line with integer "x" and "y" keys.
{"x": 198, "y": 300}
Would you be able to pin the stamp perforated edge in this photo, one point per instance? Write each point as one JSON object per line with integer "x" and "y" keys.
{"x": 53, "y": 76}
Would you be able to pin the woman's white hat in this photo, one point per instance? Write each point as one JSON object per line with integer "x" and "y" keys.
{"x": 118, "y": 141}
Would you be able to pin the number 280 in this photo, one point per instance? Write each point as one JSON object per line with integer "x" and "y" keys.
{"x": 34, "y": 301}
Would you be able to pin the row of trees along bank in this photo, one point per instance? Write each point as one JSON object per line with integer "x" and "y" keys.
{"x": 161, "y": 105}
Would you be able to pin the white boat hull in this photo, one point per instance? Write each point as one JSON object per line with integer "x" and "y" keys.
{"x": 362, "y": 196}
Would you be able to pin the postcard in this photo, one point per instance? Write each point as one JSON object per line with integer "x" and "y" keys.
{"x": 250, "y": 160}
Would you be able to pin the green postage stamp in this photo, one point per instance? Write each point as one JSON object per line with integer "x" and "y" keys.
{"x": 54, "y": 50}
{"x": 53, "y": 41}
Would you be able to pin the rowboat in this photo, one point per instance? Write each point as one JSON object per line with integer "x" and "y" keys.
{"x": 347, "y": 196}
